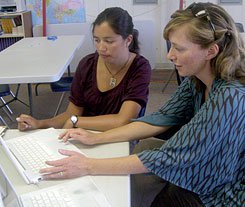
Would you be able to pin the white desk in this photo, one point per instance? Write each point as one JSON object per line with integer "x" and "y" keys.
{"x": 115, "y": 188}
{"x": 37, "y": 59}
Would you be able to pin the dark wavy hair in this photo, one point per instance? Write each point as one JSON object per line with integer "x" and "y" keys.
{"x": 121, "y": 23}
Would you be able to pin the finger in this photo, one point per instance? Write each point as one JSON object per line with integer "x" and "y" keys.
{"x": 23, "y": 126}
{"x": 71, "y": 153}
{"x": 61, "y": 162}
{"x": 68, "y": 134}
{"x": 65, "y": 135}
{"x": 58, "y": 175}
{"x": 67, "y": 152}
{"x": 22, "y": 121}
{"x": 62, "y": 135}
{"x": 56, "y": 163}
{"x": 22, "y": 118}
{"x": 50, "y": 170}
{"x": 19, "y": 120}
{"x": 71, "y": 135}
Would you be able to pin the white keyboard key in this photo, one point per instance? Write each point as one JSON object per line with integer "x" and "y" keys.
{"x": 34, "y": 153}
{"x": 52, "y": 198}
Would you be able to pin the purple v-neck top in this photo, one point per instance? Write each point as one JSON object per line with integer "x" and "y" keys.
{"x": 133, "y": 87}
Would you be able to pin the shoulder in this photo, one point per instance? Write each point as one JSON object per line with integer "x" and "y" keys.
{"x": 140, "y": 60}
{"x": 85, "y": 66}
{"x": 87, "y": 62}
{"x": 89, "y": 59}
{"x": 231, "y": 88}
{"x": 228, "y": 95}
{"x": 187, "y": 86}
{"x": 140, "y": 66}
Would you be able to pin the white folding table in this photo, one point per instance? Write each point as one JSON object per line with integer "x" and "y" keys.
{"x": 115, "y": 188}
{"x": 38, "y": 59}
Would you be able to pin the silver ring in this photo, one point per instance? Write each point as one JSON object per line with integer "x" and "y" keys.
{"x": 61, "y": 174}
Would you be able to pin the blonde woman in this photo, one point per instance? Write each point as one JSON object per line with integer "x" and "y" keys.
{"x": 203, "y": 162}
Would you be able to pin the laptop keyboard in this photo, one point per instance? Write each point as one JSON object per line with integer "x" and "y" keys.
{"x": 52, "y": 198}
{"x": 33, "y": 153}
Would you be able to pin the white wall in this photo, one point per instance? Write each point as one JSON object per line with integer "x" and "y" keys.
{"x": 149, "y": 19}
{"x": 146, "y": 38}
{"x": 150, "y": 12}
{"x": 158, "y": 13}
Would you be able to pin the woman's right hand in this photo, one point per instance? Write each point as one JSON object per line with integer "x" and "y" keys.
{"x": 26, "y": 122}
{"x": 80, "y": 135}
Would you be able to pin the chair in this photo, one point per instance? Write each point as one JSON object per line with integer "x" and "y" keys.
{"x": 62, "y": 85}
{"x": 5, "y": 91}
{"x": 142, "y": 112}
{"x": 239, "y": 26}
{"x": 36, "y": 87}
{"x": 3, "y": 121}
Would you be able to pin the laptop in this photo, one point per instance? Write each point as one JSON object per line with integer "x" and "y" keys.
{"x": 73, "y": 193}
{"x": 30, "y": 151}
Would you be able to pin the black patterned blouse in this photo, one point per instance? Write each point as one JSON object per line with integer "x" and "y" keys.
{"x": 206, "y": 155}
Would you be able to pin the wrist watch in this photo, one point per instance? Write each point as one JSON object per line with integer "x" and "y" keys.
{"x": 74, "y": 120}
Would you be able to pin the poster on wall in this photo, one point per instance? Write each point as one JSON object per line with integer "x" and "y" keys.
{"x": 57, "y": 11}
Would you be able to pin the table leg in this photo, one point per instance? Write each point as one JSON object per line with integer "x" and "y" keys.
{"x": 30, "y": 98}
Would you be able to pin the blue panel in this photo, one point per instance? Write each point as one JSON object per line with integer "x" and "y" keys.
{"x": 145, "y": 1}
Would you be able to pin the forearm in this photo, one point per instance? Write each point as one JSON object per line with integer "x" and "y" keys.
{"x": 116, "y": 166}
{"x": 76, "y": 165}
{"x": 56, "y": 122}
{"x": 102, "y": 122}
{"x": 59, "y": 121}
{"x": 132, "y": 131}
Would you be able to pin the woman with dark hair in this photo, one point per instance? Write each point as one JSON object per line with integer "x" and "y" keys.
{"x": 110, "y": 86}
{"x": 203, "y": 162}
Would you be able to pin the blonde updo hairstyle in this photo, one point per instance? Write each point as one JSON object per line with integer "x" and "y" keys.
{"x": 229, "y": 64}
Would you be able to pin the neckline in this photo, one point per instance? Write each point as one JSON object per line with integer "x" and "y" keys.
{"x": 121, "y": 82}
{"x": 113, "y": 79}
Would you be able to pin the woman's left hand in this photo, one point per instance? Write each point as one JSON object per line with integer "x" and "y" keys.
{"x": 72, "y": 166}
{"x": 80, "y": 135}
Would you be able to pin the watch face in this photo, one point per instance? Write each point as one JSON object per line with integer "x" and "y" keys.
{"x": 74, "y": 119}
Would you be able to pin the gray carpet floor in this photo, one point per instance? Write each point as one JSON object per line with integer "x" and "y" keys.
{"x": 45, "y": 103}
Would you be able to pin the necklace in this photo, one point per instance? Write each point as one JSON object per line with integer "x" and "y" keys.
{"x": 113, "y": 80}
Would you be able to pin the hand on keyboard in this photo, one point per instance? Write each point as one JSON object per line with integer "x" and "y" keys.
{"x": 74, "y": 165}
{"x": 80, "y": 135}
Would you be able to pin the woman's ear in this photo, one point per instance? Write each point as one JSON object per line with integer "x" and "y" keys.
{"x": 129, "y": 40}
{"x": 212, "y": 51}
